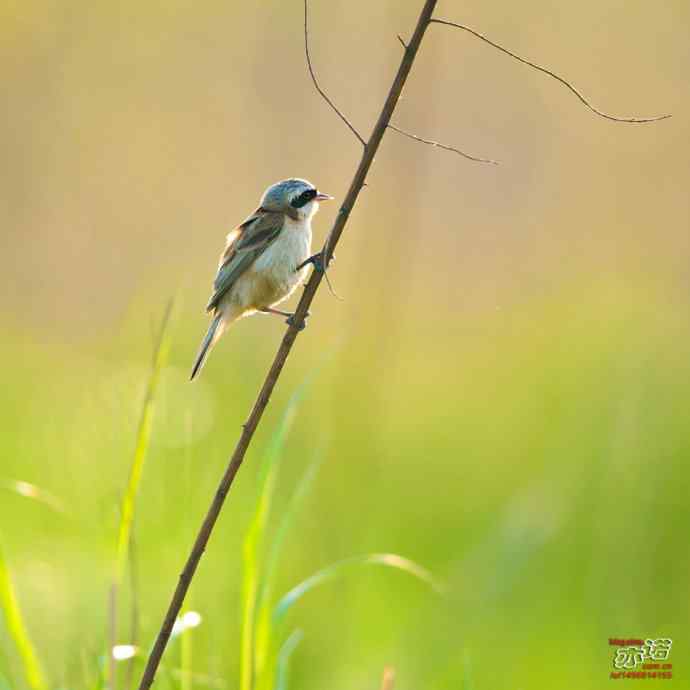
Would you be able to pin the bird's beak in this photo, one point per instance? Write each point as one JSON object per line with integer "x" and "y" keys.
{"x": 320, "y": 196}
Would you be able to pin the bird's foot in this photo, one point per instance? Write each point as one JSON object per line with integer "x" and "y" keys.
{"x": 290, "y": 321}
{"x": 316, "y": 260}
{"x": 277, "y": 312}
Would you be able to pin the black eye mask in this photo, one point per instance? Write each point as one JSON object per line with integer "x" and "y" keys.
{"x": 304, "y": 198}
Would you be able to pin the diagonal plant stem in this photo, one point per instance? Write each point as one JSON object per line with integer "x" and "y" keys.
{"x": 124, "y": 539}
{"x": 370, "y": 149}
{"x": 358, "y": 182}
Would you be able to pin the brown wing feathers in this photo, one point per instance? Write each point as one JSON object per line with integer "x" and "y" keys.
{"x": 244, "y": 246}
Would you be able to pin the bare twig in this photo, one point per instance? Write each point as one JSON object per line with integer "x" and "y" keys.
{"x": 441, "y": 146}
{"x": 322, "y": 93}
{"x": 565, "y": 82}
{"x": 402, "y": 42}
{"x": 248, "y": 429}
{"x": 330, "y": 286}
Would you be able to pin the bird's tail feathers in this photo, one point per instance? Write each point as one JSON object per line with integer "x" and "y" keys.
{"x": 206, "y": 344}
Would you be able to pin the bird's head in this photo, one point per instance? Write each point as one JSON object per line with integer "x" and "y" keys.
{"x": 297, "y": 198}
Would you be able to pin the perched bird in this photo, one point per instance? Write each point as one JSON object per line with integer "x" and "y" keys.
{"x": 265, "y": 259}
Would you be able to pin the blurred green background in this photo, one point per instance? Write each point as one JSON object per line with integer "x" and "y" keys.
{"x": 503, "y": 392}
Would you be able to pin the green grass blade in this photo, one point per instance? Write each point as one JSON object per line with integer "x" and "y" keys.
{"x": 264, "y": 632}
{"x": 142, "y": 444}
{"x": 249, "y": 589}
{"x": 182, "y": 630}
{"x": 17, "y": 630}
{"x": 186, "y": 681}
{"x": 127, "y": 507}
{"x": 284, "y": 656}
{"x": 335, "y": 570}
{"x": 255, "y": 537}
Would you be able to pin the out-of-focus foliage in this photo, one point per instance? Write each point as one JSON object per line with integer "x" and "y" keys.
{"x": 508, "y": 392}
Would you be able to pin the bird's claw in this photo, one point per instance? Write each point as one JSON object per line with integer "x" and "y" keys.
{"x": 316, "y": 260}
{"x": 290, "y": 321}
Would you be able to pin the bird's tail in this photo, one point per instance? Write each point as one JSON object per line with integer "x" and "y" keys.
{"x": 206, "y": 344}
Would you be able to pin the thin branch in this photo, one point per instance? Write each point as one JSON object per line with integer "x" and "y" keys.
{"x": 402, "y": 42}
{"x": 439, "y": 145}
{"x": 565, "y": 82}
{"x": 330, "y": 286}
{"x": 322, "y": 93}
{"x": 249, "y": 427}
{"x": 288, "y": 341}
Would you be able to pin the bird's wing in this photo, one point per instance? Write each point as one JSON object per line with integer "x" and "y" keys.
{"x": 245, "y": 245}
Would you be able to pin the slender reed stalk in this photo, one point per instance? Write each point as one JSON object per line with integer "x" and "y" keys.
{"x": 255, "y": 572}
{"x": 17, "y": 629}
{"x": 9, "y": 603}
{"x": 124, "y": 538}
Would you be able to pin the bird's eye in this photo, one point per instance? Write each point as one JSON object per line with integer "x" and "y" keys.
{"x": 304, "y": 198}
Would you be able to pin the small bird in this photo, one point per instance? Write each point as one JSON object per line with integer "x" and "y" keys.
{"x": 265, "y": 259}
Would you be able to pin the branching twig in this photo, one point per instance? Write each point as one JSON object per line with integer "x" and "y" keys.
{"x": 565, "y": 82}
{"x": 248, "y": 429}
{"x": 441, "y": 146}
{"x": 316, "y": 83}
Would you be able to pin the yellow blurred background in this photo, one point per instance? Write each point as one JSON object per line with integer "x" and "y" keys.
{"x": 504, "y": 389}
